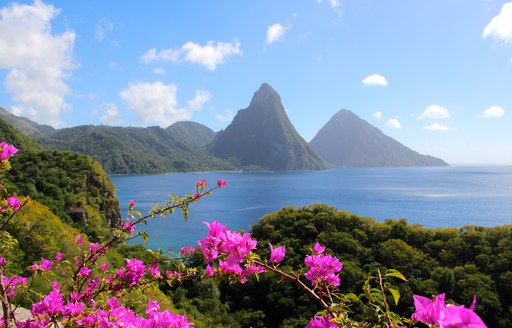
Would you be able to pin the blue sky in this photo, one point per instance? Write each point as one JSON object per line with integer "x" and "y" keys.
{"x": 435, "y": 75}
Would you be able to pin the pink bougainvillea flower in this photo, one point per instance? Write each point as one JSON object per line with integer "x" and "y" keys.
{"x": 459, "y": 317}
{"x": 209, "y": 271}
{"x": 7, "y": 151}
{"x": 13, "y": 203}
{"x": 318, "y": 249}
{"x": 79, "y": 240}
{"x": 321, "y": 322}
{"x": 435, "y": 312}
{"x": 129, "y": 227}
{"x": 428, "y": 310}
{"x": 221, "y": 183}
{"x": 187, "y": 250}
{"x": 276, "y": 254}
{"x": 58, "y": 256}
{"x": 201, "y": 184}
{"x": 132, "y": 203}
{"x": 323, "y": 268}
{"x": 45, "y": 265}
{"x": 84, "y": 271}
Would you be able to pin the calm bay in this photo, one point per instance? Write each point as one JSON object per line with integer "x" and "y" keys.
{"x": 430, "y": 196}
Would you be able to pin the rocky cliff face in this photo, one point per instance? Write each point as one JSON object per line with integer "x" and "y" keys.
{"x": 262, "y": 136}
{"x": 347, "y": 140}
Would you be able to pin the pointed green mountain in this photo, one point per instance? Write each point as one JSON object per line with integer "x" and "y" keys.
{"x": 262, "y": 136}
{"x": 347, "y": 140}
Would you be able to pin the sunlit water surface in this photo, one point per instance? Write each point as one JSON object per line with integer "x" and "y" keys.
{"x": 432, "y": 196}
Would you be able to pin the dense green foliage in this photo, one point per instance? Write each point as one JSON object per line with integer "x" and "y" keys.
{"x": 73, "y": 186}
{"x": 347, "y": 140}
{"x": 262, "y": 135}
{"x": 460, "y": 262}
{"x": 191, "y": 132}
{"x": 119, "y": 149}
{"x": 39, "y": 233}
{"x": 23, "y": 142}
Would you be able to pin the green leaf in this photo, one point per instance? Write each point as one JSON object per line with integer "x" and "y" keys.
{"x": 145, "y": 236}
{"x": 366, "y": 289}
{"x": 396, "y": 274}
{"x": 395, "y": 292}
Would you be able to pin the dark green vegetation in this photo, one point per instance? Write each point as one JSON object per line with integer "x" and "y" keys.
{"x": 133, "y": 150}
{"x": 73, "y": 186}
{"x": 262, "y": 135}
{"x": 459, "y": 262}
{"x": 347, "y": 140}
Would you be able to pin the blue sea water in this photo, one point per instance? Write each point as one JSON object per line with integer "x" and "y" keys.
{"x": 431, "y": 196}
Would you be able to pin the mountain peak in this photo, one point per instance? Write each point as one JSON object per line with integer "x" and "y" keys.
{"x": 262, "y": 136}
{"x": 266, "y": 97}
{"x": 348, "y": 140}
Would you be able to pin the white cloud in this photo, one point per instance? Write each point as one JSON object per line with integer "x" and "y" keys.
{"x": 154, "y": 103}
{"x": 226, "y": 117}
{"x": 500, "y": 27}
{"x": 434, "y": 112}
{"x": 211, "y": 54}
{"x": 393, "y": 123}
{"x": 102, "y": 26}
{"x": 202, "y": 96}
{"x": 38, "y": 61}
{"x": 437, "y": 127}
{"x": 275, "y": 32}
{"x": 377, "y": 115}
{"x": 160, "y": 56}
{"x": 375, "y": 80}
{"x": 112, "y": 115}
{"x": 493, "y": 112}
{"x": 159, "y": 70}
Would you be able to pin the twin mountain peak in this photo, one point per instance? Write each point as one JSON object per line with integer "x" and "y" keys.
{"x": 260, "y": 137}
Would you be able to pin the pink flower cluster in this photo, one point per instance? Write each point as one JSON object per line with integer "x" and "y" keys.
{"x": 53, "y": 307}
{"x": 132, "y": 273}
{"x": 322, "y": 267}
{"x": 436, "y": 312}
{"x": 6, "y": 151}
{"x": 231, "y": 248}
{"x": 10, "y": 284}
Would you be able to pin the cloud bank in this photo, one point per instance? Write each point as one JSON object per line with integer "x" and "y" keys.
{"x": 500, "y": 27}
{"x": 37, "y": 61}
{"x": 154, "y": 103}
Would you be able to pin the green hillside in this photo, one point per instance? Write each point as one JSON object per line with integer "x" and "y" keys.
{"x": 131, "y": 150}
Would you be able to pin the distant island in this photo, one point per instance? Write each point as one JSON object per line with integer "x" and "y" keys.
{"x": 260, "y": 137}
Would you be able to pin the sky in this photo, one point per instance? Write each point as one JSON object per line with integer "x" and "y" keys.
{"x": 434, "y": 75}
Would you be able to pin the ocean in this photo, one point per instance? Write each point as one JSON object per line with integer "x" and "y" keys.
{"x": 431, "y": 196}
